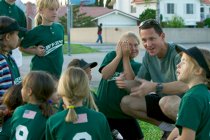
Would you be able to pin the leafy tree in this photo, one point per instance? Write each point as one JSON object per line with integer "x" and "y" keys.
{"x": 176, "y": 22}
{"x": 207, "y": 22}
{"x": 147, "y": 14}
{"x": 81, "y": 20}
{"x": 63, "y": 21}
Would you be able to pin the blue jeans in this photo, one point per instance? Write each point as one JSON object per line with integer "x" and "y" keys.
{"x": 99, "y": 39}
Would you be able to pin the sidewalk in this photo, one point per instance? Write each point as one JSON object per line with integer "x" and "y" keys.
{"x": 96, "y": 57}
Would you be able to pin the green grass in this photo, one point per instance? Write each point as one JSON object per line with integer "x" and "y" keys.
{"x": 150, "y": 132}
{"x": 77, "y": 49}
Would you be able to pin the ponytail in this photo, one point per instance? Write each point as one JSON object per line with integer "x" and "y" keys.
{"x": 47, "y": 109}
{"x": 38, "y": 19}
{"x": 71, "y": 115}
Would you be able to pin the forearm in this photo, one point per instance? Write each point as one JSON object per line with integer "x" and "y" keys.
{"x": 31, "y": 50}
{"x": 110, "y": 69}
{"x": 128, "y": 71}
{"x": 176, "y": 87}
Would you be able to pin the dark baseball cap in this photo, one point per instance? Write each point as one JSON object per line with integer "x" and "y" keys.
{"x": 12, "y": 27}
{"x": 196, "y": 54}
{"x": 82, "y": 63}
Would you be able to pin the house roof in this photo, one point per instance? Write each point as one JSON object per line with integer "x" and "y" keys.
{"x": 118, "y": 12}
{"x": 141, "y": 1}
{"x": 206, "y": 1}
{"x": 94, "y": 11}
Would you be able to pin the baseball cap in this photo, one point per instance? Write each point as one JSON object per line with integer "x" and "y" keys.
{"x": 82, "y": 63}
{"x": 196, "y": 54}
{"x": 12, "y": 27}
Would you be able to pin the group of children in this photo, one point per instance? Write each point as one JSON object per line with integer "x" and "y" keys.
{"x": 27, "y": 110}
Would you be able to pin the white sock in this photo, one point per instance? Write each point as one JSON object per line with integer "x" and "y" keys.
{"x": 166, "y": 126}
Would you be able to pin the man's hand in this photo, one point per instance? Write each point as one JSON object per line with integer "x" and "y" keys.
{"x": 40, "y": 51}
{"x": 143, "y": 89}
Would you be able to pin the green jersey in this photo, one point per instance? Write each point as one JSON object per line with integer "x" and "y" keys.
{"x": 194, "y": 112}
{"x": 6, "y": 130}
{"x": 28, "y": 123}
{"x": 52, "y": 39}
{"x": 109, "y": 95}
{"x": 14, "y": 12}
{"x": 90, "y": 125}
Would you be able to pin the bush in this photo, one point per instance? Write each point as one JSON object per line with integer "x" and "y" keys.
{"x": 200, "y": 24}
{"x": 176, "y": 22}
{"x": 207, "y": 22}
{"x": 147, "y": 14}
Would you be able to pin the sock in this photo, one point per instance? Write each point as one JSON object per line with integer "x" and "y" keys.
{"x": 166, "y": 126}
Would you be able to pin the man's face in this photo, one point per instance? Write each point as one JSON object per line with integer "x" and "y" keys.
{"x": 152, "y": 41}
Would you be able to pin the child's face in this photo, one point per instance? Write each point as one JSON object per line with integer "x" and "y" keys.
{"x": 134, "y": 47}
{"x": 184, "y": 70}
{"x": 12, "y": 41}
{"x": 49, "y": 14}
{"x": 88, "y": 72}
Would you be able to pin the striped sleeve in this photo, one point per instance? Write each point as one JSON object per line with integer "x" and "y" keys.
{"x": 5, "y": 76}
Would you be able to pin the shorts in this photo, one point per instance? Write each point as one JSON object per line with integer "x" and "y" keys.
{"x": 154, "y": 110}
{"x": 128, "y": 128}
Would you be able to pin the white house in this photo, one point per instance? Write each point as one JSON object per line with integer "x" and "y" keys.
{"x": 189, "y": 10}
{"x": 205, "y": 9}
{"x": 117, "y": 18}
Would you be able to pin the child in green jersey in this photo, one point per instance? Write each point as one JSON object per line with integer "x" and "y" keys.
{"x": 77, "y": 121}
{"x": 29, "y": 121}
{"x": 193, "y": 121}
{"x": 9, "y": 40}
{"x": 46, "y": 40}
{"x": 11, "y": 100}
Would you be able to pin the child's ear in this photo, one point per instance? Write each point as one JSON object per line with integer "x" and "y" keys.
{"x": 198, "y": 71}
{"x": 7, "y": 37}
{"x": 29, "y": 91}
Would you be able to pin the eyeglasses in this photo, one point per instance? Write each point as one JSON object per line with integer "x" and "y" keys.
{"x": 149, "y": 22}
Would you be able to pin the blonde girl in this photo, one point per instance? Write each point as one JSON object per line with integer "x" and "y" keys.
{"x": 82, "y": 122}
{"x": 46, "y": 40}
{"x": 29, "y": 121}
{"x": 193, "y": 121}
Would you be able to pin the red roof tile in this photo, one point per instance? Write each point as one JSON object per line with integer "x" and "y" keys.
{"x": 94, "y": 11}
{"x": 206, "y": 1}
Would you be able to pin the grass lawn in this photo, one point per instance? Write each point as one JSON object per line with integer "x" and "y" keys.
{"x": 150, "y": 132}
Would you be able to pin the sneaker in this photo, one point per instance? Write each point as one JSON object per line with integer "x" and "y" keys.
{"x": 165, "y": 135}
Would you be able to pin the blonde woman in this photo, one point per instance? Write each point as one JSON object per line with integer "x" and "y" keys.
{"x": 46, "y": 40}
{"x": 193, "y": 121}
{"x": 77, "y": 121}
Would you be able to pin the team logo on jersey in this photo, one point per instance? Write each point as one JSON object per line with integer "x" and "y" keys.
{"x": 82, "y": 118}
{"x": 29, "y": 114}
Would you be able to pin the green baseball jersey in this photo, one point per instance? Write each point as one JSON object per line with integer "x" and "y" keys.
{"x": 28, "y": 123}
{"x": 109, "y": 95}
{"x": 160, "y": 70}
{"x": 90, "y": 125}
{"x": 52, "y": 39}
{"x": 6, "y": 130}
{"x": 15, "y": 12}
{"x": 194, "y": 112}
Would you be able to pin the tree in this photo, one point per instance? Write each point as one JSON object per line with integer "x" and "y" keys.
{"x": 147, "y": 14}
{"x": 176, "y": 22}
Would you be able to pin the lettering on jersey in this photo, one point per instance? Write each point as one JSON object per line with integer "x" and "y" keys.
{"x": 53, "y": 46}
{"x": 82, "y": 118}
{"x": 115, "y": 75}
{"x": 29, "y": 114}
{"x": 18, "y": 80}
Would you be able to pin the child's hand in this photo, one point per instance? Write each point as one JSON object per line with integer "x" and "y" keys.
{"x": 119, "y": 50}
{"x": 40, "y": 51}
{"x": 125, "y": 49}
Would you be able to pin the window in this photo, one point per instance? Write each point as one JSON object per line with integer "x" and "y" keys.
{"x": 133, "y": 9}
{"x": 189, "y": 8}
{"x": 170, "y": 8}
{"x": 202, "y": 10}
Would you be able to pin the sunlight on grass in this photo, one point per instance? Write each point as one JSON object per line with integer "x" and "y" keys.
{"x": 77, "y": 49}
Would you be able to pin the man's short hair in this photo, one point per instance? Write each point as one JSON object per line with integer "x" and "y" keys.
{"x": 151, "y": 23}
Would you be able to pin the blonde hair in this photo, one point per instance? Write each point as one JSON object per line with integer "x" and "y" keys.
{"x": 129, "y": 35}
{"x": 206, "y": 55}
{"x": 74, "y": 86}
{"x": 42, "y": 4}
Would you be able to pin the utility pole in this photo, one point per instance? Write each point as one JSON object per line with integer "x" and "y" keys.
{"x": 69, "y": 25}
{"x": 158, "y": 11}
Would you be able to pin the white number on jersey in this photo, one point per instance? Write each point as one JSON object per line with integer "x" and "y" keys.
{"x": 21, "y": 132}
{"x": 82, "y": 135}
